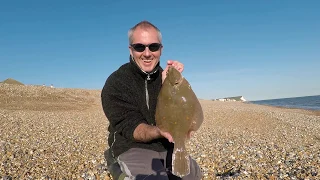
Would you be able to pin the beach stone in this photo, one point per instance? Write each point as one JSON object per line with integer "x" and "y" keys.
{"x": 57, "y": 133}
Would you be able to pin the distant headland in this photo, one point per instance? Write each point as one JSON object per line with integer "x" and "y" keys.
{"x": 12, "y": 81}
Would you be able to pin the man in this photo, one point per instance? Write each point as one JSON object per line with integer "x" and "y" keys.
{"x": 140, "y": 149}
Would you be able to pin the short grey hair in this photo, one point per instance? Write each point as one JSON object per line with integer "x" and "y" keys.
{"x": 143, "y": 25}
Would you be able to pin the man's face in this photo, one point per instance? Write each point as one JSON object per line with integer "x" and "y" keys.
{"x": 150, "y": 56}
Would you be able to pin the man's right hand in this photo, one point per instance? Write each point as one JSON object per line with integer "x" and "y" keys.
{"x": 170, "y": 138}
{"x": 146, "y": 133}
{"x": 166, "y": 135}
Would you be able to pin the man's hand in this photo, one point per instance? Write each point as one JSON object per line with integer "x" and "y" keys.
{"x": 170, "y": 138}
{"x": 146, "y": 133}
{"x": 166, "y": 135}
{"x": 176, "y": 64}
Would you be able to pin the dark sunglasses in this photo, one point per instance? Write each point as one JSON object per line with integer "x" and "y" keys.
{"x": 141, "y": 47}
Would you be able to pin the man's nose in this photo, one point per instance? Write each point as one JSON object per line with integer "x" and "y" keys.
{"x": 147, "y": 52}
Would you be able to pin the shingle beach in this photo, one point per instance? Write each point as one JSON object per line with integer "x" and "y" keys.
{"x": 60, "y": 133}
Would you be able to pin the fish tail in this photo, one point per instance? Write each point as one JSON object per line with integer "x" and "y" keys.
{"x": 180, "y": 162}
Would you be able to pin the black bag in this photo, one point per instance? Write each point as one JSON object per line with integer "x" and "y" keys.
{"x": 113, "y": 165}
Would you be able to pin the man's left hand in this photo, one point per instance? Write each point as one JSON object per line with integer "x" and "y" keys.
{"x": 176, "y": 64}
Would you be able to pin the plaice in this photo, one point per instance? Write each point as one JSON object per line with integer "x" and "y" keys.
{"x": 178, "y": 112}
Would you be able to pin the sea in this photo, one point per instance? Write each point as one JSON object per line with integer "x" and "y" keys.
{"x": 305, "y": 102}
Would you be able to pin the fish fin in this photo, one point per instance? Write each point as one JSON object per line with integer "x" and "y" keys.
{"x": 197, "y": 118}
{"x": 180, "y": 162}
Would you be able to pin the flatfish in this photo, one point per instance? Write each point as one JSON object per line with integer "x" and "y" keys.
{"x": 178, "y": 112}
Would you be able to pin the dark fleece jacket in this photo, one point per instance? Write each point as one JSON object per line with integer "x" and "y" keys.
{"x": 124, "y": 101}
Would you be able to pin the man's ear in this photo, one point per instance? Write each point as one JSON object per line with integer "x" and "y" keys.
{"x": 130, "y": 51}
{"x": 161, "y": 50}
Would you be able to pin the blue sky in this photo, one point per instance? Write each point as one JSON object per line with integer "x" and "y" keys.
{"x": 258, "y": 49}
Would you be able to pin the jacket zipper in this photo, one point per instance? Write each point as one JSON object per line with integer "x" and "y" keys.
{"x": 146, "y": 87}
{"x": 114, "y": 140}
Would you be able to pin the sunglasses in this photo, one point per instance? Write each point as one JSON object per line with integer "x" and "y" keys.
{"x": 141, "y": 47}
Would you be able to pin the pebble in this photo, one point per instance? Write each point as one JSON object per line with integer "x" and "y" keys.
{"x": 62, "y": 134}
